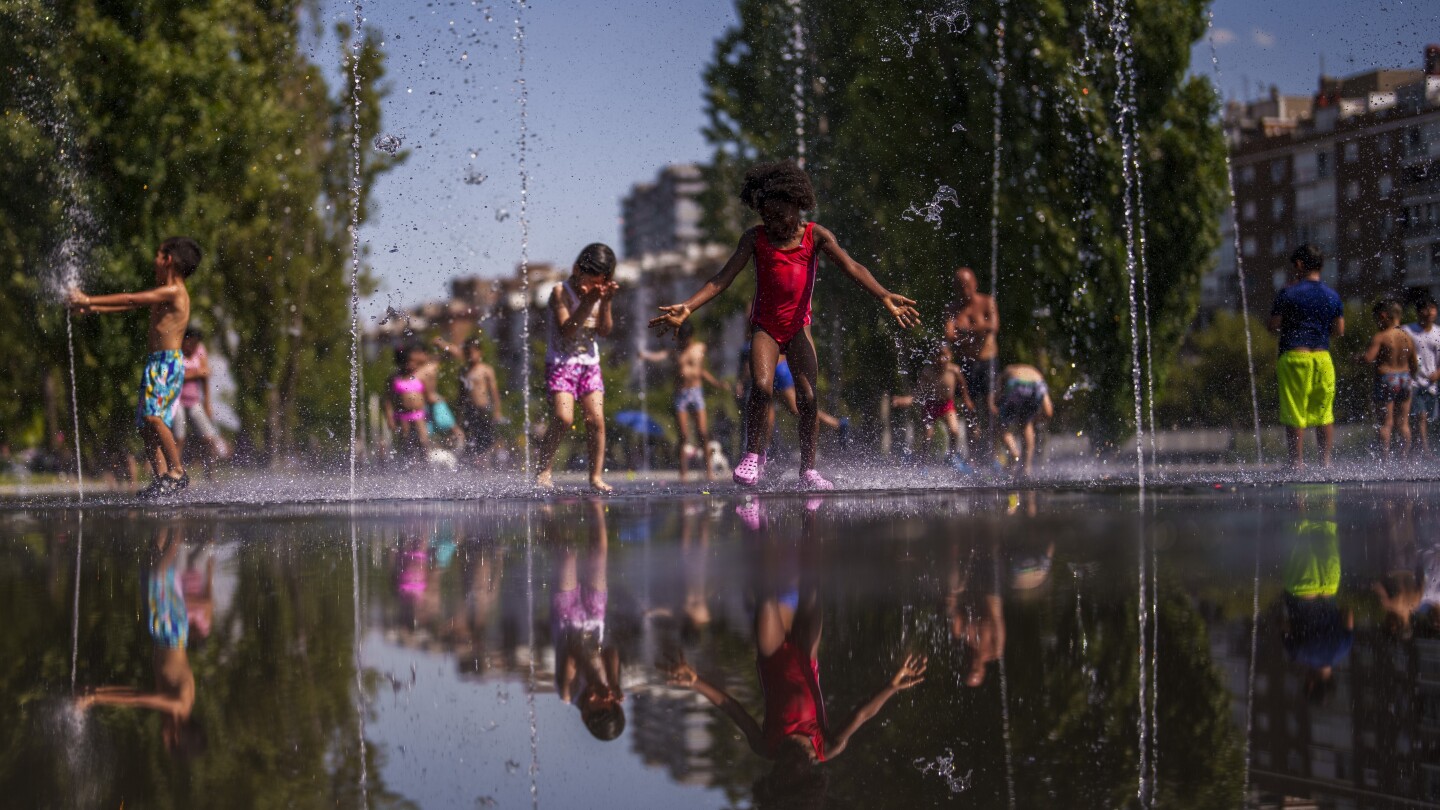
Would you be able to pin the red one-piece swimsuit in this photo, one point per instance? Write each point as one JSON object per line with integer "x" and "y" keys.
{"x": 784, "y": 284}
{"x": 790, "y": 679}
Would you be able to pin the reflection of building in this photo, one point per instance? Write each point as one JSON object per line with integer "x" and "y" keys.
{"x": 662, "y": 216}
{"x": 1355, "y": 169}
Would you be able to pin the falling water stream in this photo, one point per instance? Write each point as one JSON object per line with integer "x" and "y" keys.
{"x": 523, "y": 146}
{"x": 1000, "y": 65}
{"x": 1239, "y": 257}
{"x": 75, "y": 605}
{"x": 1250, "y": 671}
{"x": 74, "y": 407}
{"x": 357, "y": 39}
{"x": 1124, "y": 125}
{"x": 530, "y": 645}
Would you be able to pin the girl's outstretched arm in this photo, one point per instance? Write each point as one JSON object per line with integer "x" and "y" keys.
{"x": 909, "y": 674}
{"x": 680, "y": 673}
{"x": 902, "y": 309}
{"x": 675, "y": 314}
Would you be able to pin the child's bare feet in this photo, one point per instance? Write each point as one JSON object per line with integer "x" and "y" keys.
{"x": 544, "y": 481}
{"x": 599, "y": 485}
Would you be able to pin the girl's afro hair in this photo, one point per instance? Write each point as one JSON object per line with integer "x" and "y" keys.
{"x": 782, "y": 180}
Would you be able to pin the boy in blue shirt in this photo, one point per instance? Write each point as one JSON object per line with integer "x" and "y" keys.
{"x": 1306, "y": 315}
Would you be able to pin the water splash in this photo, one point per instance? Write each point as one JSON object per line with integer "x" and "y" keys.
{"x": 943, "y": 766}
{"x": 475, "y": 177}
{"x": 389, "y": 144}
{"x": 931, "y": 211}
{"x": 357, "y": 41}
{"x": 1239, "y": 258}
{"x": 524, "y": 142}
{"x": 952, "y": 15}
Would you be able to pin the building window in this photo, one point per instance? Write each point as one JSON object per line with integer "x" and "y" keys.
{"x": 1248, "y": 246}
{"x": 1435, "y": 254}
{"x": 1277, "y": 170}
{"x": 1389, "y": 224}
{"x": 1247, "y": 211}
{"x": 1277, "y": 242}
{"x": 1322, "y": 164}
{"x": 1352, "y": 231}
{"x": 1277, "y": 207}
{"x": 1352, "y": 269}
{"x": 1387, "y": 185}
{"x": 1387, "y": 264}
{"x": 1352, "y": 151}
{"x": 1352, "y": 189}
{"x": 1247, "y": 174}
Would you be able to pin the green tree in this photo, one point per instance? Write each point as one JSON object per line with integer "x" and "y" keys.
{"x": 899, "y": 102}
{"x": 205, "y": 119}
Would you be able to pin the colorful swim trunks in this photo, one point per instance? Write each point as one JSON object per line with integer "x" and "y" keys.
{"x": 160, "y": 384}
{"x": 575, "y": 379}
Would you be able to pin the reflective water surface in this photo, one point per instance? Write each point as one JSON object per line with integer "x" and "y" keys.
{"x": 1001, "y": 649}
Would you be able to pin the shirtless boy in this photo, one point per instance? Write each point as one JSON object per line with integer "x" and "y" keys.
{"x": 1392, "y": 352}
{"x": 971, "y": 326}
{"x": 480, "y": 398}
{"x": 691, "y": 376}
{"x": 941, "y": 383}
{"x": 164, "y": 371}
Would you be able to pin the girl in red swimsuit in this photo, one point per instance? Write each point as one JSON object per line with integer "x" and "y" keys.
{"x": 786, "y": 253}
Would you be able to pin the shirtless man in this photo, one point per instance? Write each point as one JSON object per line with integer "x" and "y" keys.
{"x": 480, "y": 402}
{"x": 690, "y": 377}
{"x": 1392, "y": 352}
{"x": 971, "y": 325}
{"x": 164, "y": 370}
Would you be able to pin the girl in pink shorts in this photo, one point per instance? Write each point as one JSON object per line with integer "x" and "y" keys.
{"x": 579, "y": 312}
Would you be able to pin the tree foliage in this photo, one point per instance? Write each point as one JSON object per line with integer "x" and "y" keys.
{"x": 899, "y": 102}
{"x": 204, "y": 119}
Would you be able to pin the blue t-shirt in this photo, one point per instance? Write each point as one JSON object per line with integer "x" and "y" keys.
{"x": 1306, "y": 309}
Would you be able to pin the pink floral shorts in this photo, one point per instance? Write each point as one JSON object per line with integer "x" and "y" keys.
{"x": 575, "y": 379}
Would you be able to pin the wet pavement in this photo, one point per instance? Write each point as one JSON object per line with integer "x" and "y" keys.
{"x": 710, "y": 651}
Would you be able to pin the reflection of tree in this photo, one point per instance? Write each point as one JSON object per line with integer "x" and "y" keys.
{"x": 275, "y": 684}
{"x": 1082, "y": 708}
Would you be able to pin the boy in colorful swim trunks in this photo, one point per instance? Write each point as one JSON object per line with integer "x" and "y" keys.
{"x": 579, "y": 312}
{"x": 1024, "y": 397}
{"x": 164, "y": 371}
{"x": 786, "y": 252}
{"x": 1306, "y": 315}
{"x": 1392, "y": 352}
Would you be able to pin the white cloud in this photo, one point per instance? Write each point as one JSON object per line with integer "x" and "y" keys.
{"x": 1222, "y": 36}
{"x": 1262, "y": 38}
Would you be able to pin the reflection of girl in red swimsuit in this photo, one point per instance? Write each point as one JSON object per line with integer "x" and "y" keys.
{"x": 784, "y": 285}
{"x": 793, "y": 701}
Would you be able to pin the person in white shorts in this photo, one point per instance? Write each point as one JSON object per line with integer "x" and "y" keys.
{"x": 1425, "y": 407}
{"x": 192, "y": 410}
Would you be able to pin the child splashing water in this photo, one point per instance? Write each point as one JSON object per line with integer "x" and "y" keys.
{"x": 579, "y": 311}
{"x": 164, "y": 370}
{"x": 786, "y": 253}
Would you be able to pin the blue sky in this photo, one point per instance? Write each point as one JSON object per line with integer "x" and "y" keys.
{"x": 615, "y": 93}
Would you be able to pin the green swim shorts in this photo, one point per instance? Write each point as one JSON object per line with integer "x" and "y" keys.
{"x": 1307, "y": 389}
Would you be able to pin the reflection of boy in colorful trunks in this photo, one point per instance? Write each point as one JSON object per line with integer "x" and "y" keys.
{"x": 168, "y": 622}
{"x": 1024, "y": 398}
{"x": 794, "y": 731}
{"x": 1392, "y": 352}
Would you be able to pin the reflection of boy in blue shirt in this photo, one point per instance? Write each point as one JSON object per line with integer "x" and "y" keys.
{"x": 1317, "y": 632}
